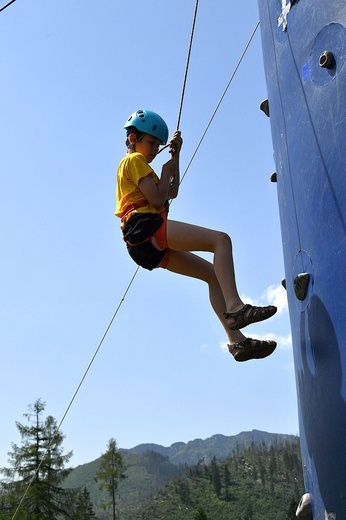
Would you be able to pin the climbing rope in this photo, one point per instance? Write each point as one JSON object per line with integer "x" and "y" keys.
{"x": 76, "y": 392}
{"x": 186, "y": 72}
{"x": 4, "y": 7}
{"x": 137, "y": 269}
{"x": 221, "y": 99}
{"x": 187, "y": 65}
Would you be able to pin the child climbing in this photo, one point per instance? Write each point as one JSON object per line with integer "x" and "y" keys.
{"x": 154, "y": 241}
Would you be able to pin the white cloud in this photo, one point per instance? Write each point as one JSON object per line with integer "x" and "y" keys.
{"x": 223, "y": 346}
{"x": 277, "y": 295}
{"x": 284, "y": 342}
{"x": 273, "y": 295}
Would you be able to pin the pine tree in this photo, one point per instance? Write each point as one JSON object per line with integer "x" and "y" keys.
{"x": 111, "y": 472}
{"x": 215, "y": 477}
{"x": 262, "y": 473}
{"x": 227, "y": 482}
{"x": 249, "y": 511}
{"x": 83, "y": 506}
{"x": 200, "y": 514}
{"x": 182, "y": 488}
{"x": 37, "y": 469}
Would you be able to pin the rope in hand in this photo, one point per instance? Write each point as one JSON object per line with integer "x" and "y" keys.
{"x": 137, "y": 269}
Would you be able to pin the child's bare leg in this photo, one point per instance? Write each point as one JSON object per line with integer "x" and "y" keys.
{"x": 188, "y": 264}
{"x": 187, "y": 237}
{"x": 183, "y": 237}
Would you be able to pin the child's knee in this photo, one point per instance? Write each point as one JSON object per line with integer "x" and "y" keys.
{"x": 223, "y": 239}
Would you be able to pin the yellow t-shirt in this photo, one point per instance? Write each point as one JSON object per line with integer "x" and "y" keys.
{"x": 131, "y": 169}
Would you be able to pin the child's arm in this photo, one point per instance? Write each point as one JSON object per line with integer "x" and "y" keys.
{"x": 158, "y": 194}
{"x": 167, "y": 188}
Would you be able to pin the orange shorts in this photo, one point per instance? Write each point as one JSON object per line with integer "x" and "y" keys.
{"x": 144, "y": 253}
{"x": 161, "y": 238}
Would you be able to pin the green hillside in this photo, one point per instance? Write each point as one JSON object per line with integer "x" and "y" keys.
{"x": 146, "y": 474}
{"x": 254, "y": 478}
{"x": 260, "y": 484}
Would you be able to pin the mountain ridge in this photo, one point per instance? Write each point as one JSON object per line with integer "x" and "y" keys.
{"x": 218, "y": 445}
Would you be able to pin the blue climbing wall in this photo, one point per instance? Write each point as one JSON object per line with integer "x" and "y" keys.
{"x": 304, "y": 52}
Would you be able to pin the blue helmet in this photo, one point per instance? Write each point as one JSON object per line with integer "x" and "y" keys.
{"x": 149, "y": 122}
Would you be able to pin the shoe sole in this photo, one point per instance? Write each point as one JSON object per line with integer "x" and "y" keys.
{"x": 254, "y": 354}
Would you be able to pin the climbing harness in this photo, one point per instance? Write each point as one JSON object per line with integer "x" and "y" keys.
{"x": 131, "y": 208}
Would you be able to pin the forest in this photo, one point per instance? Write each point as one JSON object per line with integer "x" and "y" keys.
{"x": 256, "y": 481}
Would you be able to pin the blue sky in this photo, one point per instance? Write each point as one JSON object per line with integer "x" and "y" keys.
{"x": 72, "y": 72}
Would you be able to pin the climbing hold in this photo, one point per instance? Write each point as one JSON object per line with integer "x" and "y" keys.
{"x": 327, "y": 60}
{"x": 283, "y": 283}
{"x": 301, "y": 283}
{"x": 273, "y": 177}
{"x": 264, "y": 106}
{"x": 304, "y": 510}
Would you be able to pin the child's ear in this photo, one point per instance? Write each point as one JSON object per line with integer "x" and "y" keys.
{"x": 132, "y": 138}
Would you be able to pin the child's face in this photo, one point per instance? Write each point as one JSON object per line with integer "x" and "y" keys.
{"x": 148, "y": 146}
